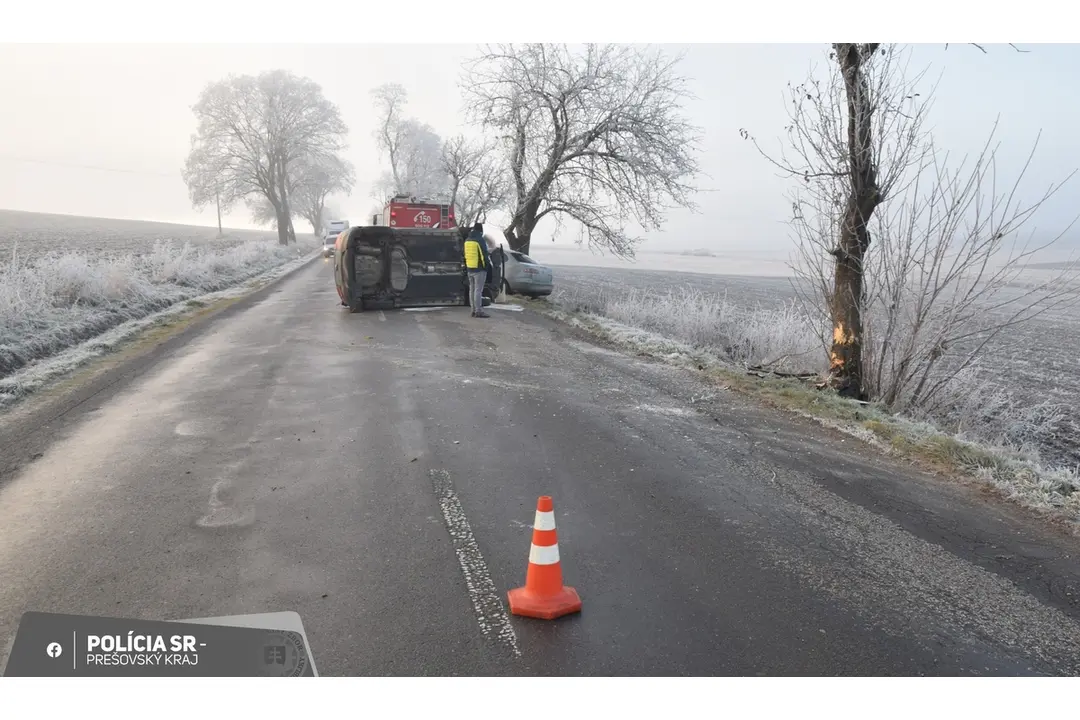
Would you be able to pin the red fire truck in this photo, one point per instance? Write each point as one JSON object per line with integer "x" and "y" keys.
{"x": 404, "y": 211}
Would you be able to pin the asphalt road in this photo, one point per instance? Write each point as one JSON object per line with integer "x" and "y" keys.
{"x": 378, "y": 474}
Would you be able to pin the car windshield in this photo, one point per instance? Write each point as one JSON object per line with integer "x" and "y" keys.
{"x": 523, "y": 258}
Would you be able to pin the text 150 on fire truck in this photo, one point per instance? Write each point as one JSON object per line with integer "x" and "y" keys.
{"x": 403, "y": 211}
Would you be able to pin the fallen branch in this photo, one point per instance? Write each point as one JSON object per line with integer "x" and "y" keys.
{"x": 761, "y": 371}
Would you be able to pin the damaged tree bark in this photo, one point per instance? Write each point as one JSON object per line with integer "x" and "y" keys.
{"x": 845, "y": 357}
{"x": 519, "y": 232}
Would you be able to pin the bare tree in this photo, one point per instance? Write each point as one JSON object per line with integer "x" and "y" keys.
{"x": 484, "y": 191}
{"x": 905, "y": 317}
{"x": 390, "y": 100}
{"x": 478, "y": 179}
{"x": 384, "y": 187}
{"x": 597, "y": 137}
{"x": 413, "y": 148}
{"x": 420, "y": 161}
{"x": 851, "y": 137}
{"x": 251, "y": 133}
{"x": 461, "y": 158}
{"x": 315, "y": 181}
{"x": 262, "y": 212}
{"x": 951, "y": 278}
{"x": 309, "y": 186}
{"x": 206, "y": 174}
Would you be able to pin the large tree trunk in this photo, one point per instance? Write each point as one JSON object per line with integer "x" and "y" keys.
{"x": 279, "y": 224}
{"x": 454, "y": 187}
{"x": 845, "y": 357}
{"x": 282, "y": 222}
{"x": 285, "y": 209}
{"x": 517, "y": 241}
{"x": 319, "y": 216}
{"x": 519, "y": 233}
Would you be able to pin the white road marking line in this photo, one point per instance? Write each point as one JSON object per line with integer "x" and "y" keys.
{"x": 511, "y": 308}
{"x": 382, "y": 316}
{"x": 490, "y": 613}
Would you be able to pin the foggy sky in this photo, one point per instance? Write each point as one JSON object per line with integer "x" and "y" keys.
{"x": 123, "y": 112}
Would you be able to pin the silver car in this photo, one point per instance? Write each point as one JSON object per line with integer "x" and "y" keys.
{"x": 524, "y": 276}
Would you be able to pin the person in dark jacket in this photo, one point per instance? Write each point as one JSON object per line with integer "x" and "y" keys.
{"x": 477, "y": 263}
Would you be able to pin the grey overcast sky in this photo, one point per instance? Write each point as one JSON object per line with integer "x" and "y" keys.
{"x": 122, "y": 113}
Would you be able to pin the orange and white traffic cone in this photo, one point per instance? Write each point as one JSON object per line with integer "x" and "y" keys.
{"x": 544, "y": 595}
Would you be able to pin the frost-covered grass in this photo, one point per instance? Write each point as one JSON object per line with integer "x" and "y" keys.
{"x": 779, "y": 337}
{"x": 57, "y": 302}
{"x": 983, "y": 431}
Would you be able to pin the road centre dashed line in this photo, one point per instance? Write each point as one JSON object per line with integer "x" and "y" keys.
{"x": 491, "y": 615}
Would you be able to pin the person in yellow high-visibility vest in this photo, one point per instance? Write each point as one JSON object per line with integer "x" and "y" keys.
{"x": 477, "y": 262}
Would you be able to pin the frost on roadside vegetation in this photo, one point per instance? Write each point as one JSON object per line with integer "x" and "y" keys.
{"x": 988, "y": 431}
{"x": 84, "y": 305}
{"x": 979, "y": 411}
{"x": 777, "y": 338}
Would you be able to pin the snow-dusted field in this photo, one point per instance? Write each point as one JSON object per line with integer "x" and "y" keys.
{"x": 34, "y": 233}
{"x": 746, "y": 262}
{"x": 72, "y": 288}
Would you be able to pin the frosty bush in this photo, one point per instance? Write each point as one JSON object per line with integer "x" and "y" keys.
{"x": 779, "y": 338}
{"x": 51, "y": 303}
{"x": 973, "y": 408}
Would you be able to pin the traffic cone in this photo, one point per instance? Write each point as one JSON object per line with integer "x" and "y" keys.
{"x": 544, "y": 595}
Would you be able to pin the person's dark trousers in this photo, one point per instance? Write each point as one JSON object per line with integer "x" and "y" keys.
{"x": 476, "y": 292}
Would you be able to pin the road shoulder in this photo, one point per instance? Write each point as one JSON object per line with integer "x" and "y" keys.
{"x": 29, "y": 426}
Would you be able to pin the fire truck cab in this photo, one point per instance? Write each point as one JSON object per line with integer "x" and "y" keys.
{"x": 405, "y": 211}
